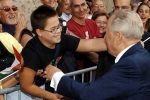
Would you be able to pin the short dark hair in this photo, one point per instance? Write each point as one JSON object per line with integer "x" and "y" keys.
{"x": 40, "y": 15}
{"x": 99, "y": 13}
{"x": 133, "y": 3}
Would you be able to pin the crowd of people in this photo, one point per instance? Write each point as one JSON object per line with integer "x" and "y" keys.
{"x": 112, "y": 41}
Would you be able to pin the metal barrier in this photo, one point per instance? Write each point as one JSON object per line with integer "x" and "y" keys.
{"x": 73, "y": 74}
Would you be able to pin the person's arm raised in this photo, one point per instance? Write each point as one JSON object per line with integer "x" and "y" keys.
{"x": 91, "y": 45}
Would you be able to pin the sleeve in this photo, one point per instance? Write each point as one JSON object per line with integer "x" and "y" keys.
{"x": 70, "y": 42}
{"x": 31, "y": 59}
{"x": 118, "y": 83}
{"x": 55, "y": 79}
{"x": 26, "y": 31}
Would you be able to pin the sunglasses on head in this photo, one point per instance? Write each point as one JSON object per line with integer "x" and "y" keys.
{"x": 7, "y": 9}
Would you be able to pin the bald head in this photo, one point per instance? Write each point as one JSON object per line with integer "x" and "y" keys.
{"x": 98, "y": 5}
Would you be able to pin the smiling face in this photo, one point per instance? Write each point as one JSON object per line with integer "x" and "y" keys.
{"x": 98, "y": 5}
{"x": 144, "y": 13}
{"x": 46, "y": 36}
{"x": 11, "y": 16}
{"x": 66, "y": 8}
{"x": 101, "y": 22}
{"x": 79, "y": 8}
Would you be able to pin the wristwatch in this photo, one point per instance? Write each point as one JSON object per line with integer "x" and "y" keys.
{"x": 16, "y": 77}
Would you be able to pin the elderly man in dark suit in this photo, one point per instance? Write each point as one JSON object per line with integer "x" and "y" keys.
{"x": 127, "y": 79}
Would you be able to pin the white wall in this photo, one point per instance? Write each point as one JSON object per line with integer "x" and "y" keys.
{"x": 109, "y": 4}
{"x": 27, "y": 6}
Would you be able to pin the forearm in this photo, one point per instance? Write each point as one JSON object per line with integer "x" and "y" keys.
{"x": 9, "y": 82}
{"x": 38, "y": 92}
{"x": 98, "y": 45}
{"x": 17, "y": 33}
{"x": 1, "y": 97}
{"x": 91, "y": 45}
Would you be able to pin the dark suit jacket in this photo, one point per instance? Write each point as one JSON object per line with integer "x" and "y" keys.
{"x": 129, "y": 79}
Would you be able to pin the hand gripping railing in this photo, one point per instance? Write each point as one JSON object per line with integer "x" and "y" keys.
{"x": 72, "y": 74}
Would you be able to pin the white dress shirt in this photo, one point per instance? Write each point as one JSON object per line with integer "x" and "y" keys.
{"x": 122, "y": 52}
{"x": 65, "y": 16}
{"x": 55, "y": 79}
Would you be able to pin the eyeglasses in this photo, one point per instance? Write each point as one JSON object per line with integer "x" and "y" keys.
{"x": 122, "y": 7}
{"x": 101, "y": 22}
{"x": 54, "y": 29}
{"x": 98, "y": 6}
{"x": 7, "y": 9}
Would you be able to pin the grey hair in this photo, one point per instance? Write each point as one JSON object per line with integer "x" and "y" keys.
{"x": 70, "y": 2}
{"x": 93, "y": 1}
{"x": 129, "y": 23}
{"x": 12, "y": 0}
{"x": 134, "y": 3}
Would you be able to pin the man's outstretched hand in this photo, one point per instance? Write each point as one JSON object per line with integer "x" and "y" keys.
{"x": 50, "y": 71}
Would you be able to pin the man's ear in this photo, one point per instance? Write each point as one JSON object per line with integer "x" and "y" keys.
{"x": 38, "y": 31}
{"x": 113, "y": 8}
{"x": 119, "y": 38}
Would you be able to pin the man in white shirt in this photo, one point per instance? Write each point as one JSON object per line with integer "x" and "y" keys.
{"x": 128, "y": 78}
{"x": 66, "y": 11}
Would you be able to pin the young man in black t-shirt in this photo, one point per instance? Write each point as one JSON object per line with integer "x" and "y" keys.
{"x": 39, "y": 51}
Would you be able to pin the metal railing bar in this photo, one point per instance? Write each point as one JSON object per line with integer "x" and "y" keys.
{"x": 73, "y": 74}
{"x": 81, "y": 71}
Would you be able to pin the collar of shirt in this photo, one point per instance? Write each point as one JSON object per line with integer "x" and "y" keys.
{"x": 122, "y": 52}
{"x": 65, "y": 16}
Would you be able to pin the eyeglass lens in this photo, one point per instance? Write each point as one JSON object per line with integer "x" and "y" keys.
{"x": 7, "y": 9}
{"x": 56, "y": 28}
{"x": 122, "y": 7}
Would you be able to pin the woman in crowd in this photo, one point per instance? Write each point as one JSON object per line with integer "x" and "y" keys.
{"x": 144, "y": 13}
{"x": 101, "y": 20}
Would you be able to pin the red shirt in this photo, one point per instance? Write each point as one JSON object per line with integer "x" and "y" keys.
{"x": 87, "y": 31}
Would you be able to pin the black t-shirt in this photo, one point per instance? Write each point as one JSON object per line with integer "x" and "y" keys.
{"x": 8, "y": 28}
{"x": 37, "y": 56}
